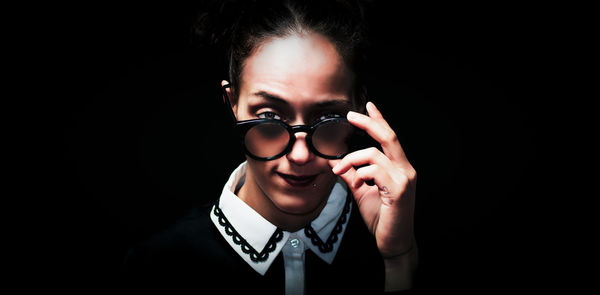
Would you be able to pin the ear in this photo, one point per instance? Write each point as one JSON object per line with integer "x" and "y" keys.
{"x": 228, "y": 90}
{"x": 230, "y": 97}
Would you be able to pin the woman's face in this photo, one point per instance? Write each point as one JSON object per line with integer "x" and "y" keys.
{"x": 298, "y": 79}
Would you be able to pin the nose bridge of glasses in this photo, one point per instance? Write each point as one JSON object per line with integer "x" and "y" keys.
{"x": 300, "y": 139}
{"x": 301, "y": 128}
{"x": 300, "y": 148}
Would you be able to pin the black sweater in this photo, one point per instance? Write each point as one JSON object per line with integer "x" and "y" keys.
{"x": 192, "y": 257}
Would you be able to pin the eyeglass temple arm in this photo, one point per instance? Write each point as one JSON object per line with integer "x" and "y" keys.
{"x": 227, "y": 102}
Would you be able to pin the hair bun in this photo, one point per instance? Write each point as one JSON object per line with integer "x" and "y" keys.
{"x": 215, "y": 23}
{"x": 217, "y": 19}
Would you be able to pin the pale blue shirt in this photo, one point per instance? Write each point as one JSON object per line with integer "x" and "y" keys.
{"x": 257, "y": 231}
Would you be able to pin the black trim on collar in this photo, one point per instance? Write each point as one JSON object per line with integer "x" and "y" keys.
{"x": 239, "y": 240}
{"x": 333, "y": 237}
{"x": 278, "y": 235}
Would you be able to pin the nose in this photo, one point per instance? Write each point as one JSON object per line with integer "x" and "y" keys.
{"x": 300, "y": 153}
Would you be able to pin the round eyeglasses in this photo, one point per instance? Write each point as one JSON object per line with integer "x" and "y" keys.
{"x": 269, "y": 139}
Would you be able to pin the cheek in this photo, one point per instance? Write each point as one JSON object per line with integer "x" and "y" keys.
{"x": 327, "y": 175}
{"x": 261, "y": 170}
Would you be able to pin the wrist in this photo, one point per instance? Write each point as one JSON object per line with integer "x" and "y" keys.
{"x": 399, "y": 270}
{"x": 395, "y": 256}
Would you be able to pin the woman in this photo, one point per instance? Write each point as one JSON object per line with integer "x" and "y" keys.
{"x": 299, "y": 216}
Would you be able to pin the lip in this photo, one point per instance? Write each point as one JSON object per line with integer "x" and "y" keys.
{"x": 298, "y": 180}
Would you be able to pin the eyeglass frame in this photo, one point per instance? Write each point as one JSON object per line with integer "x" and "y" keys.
{"x": 244, "y": 126}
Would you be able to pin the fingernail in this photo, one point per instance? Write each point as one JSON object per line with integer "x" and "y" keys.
{"x": 335, "y": 168}
{"x": 371, "y": 105}
{"x": 352, "y": 115}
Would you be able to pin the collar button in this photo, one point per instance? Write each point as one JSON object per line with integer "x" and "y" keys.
{"x": 295, "y": 243}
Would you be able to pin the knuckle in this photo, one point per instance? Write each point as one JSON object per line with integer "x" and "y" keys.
{"x": 344, "y": 162}
{"x": 374, "y": 153}
{"x": 390, "y": 136}
{"x": 402, "y": 179}
{"x": 352, "y": 157}
{"x": 364, "y": 171}
{"x": 360, "y": 172}
{"x": 412, "y": 175}
{"x": 406, "y": 177}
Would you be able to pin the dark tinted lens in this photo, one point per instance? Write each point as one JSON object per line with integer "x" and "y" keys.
{"x": 266, "y": 140}
{"x": 333, "y": 138}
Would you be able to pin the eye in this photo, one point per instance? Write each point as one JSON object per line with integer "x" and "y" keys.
{"x": 269, "y": 115}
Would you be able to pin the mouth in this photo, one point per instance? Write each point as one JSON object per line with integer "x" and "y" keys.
{"x": 298, "y": 180}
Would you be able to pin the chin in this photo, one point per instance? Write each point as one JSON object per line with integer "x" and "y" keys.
{"x": 298, "y": 203}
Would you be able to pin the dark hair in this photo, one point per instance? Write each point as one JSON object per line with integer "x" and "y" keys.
{"x": 238, "y": 27}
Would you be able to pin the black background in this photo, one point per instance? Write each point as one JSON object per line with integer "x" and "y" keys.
{"x": 138, "y": 135}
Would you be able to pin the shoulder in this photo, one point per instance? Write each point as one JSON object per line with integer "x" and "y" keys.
{"x": 187, "y": 254}
{"x": 191, "y": 236}
{"x": 186, "y": 231}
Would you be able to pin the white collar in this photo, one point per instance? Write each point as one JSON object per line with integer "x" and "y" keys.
{"x": 257, "y": 231}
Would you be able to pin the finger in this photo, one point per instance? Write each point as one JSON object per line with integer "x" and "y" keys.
{"x": 374, "y": 112}
{"x": 373, "y": 123}
{"x": 395, "y": 152}
{"x": 333, "y": 163}
{"x": 379, "y": 130}
{"x": 359, "y": 191}
{"x": 348, "y": 176}
{"x": 382, "y": 179}
{"x": 362, "y": 157}
{"x": 364, "y": 174}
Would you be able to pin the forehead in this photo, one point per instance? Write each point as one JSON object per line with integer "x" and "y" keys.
{"x": 301, "y": 68}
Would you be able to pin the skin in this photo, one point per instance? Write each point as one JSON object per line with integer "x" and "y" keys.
{"x": 304, "y": 70}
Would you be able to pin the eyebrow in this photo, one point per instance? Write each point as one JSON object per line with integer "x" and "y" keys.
{"x": 271, "y": 97}
{"x": 339, "y": 102}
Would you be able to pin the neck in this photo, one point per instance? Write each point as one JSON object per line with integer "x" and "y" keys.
{"x": 256, "y": 198}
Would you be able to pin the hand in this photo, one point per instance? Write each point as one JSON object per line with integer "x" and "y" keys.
{"x": 387, "y": 207}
